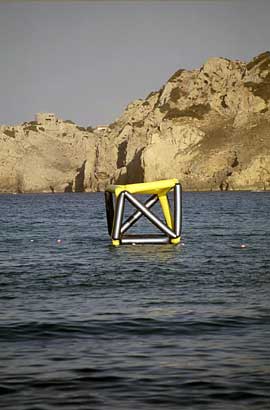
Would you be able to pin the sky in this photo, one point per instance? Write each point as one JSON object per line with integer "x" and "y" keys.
{"x": 86, "y": 60}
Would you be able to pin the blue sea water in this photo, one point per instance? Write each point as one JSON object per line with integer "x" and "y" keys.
{"x": 84, "y": 325}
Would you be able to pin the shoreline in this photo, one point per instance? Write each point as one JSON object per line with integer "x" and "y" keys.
{"x": 98, "y": 192}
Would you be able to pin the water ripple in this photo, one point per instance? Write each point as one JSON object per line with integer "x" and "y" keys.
{"x": 85, "y": 325}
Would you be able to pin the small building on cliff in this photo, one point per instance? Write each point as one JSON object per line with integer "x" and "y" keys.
{"x": 48, "y": 120}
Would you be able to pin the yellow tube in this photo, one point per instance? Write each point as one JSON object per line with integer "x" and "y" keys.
{"x": 176, "y": 240}
{"x": 166, "y": 209}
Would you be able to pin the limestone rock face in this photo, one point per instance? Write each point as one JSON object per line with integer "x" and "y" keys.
{"x": 208, "y": 127}
{"x": 34, "y": 160}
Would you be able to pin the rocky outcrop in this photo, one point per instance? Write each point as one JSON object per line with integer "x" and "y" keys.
{"x": 208, "y": 127}
{"x": 44, "y": 160}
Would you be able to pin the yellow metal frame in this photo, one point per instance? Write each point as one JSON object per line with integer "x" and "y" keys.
{"x": 159, "y": 188}
{"x": 150, "y": 188}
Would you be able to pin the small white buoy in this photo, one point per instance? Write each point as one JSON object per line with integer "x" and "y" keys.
{"x": 243, "y": 246}
{"x": 31, "y": 240}
{"x": 58, "y": 241}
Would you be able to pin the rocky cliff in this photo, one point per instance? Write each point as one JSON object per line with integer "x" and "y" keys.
{"x": 208, "y": 127}
{"x": 36, "y": 159}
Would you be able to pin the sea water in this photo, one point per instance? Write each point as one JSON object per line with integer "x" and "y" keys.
{"x": 84, "y": 325}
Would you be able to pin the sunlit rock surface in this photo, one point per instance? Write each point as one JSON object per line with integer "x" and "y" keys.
{"x": 208, "y": 127}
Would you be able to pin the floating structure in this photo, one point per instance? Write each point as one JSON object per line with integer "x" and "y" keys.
{"x": 115, "y": 196}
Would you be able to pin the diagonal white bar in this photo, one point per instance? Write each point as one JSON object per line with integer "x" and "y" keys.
{"x": 137, "y": 215}
{"x": 156, "y": 221}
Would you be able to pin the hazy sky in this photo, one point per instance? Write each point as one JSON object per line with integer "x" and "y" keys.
{"x": 86, "y": 60}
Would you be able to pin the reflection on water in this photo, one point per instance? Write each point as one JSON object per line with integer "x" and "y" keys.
{"x": 146, "y": 253}
{"x": 85, "y": 325}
